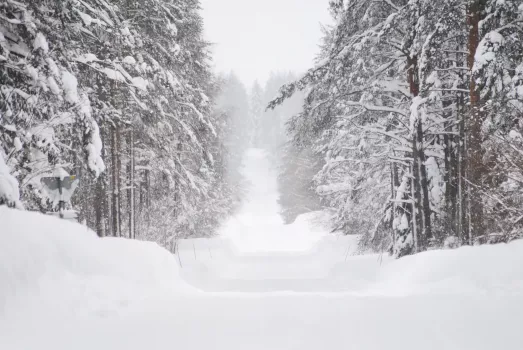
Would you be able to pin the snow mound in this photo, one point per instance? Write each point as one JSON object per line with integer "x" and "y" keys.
{"x": 488, "y": 269}
{"x": 479, "y": 270}
{"x": 74, "y": 271}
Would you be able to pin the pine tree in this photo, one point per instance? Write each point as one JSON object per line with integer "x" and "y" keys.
{"x": 410, "y": 105}
{"x": 120, "y": 93}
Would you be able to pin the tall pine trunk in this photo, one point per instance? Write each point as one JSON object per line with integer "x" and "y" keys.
{"x": 99, "y": 206}
{"x": 115, "y": 172}
{"x": 420, "y": 179}
{"x": 416, "y": 193}
{"x": 424, "y": 185}
{"x": 463, "y": 227}
{"x": 131, "y": 184}
{"x": 475, "y": 117}
{"x": 119, "y": 178}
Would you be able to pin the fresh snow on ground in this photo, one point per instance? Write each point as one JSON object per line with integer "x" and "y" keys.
{"x": 260, "y": 285}
{"x": 64, "y": 268}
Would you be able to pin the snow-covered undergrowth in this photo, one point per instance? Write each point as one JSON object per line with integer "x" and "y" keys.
{"x": 52, "y": 264}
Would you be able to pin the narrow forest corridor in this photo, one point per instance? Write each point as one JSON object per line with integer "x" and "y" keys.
{"x": 261, "y": 175}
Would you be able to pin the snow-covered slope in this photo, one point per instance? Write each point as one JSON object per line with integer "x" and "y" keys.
{"x": 52, "y": 264}
{"x": 490, "y": 270}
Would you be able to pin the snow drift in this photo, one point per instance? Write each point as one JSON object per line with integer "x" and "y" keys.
{"x": 478, "y": 270}
{"x": 50, "y": 263}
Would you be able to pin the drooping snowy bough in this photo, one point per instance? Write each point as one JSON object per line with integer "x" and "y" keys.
{"x": 121, "y": 95}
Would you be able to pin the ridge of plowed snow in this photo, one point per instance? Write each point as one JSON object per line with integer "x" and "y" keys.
{"x": 68, "y": 267}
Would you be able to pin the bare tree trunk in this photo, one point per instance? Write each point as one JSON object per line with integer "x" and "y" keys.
{"x": 177, "y": 194}
{"x": 451, "y": 181}
{"x": 114, "y": 214}
{"x": 119, "y": 179}
{"x": 416, "y": 207}
{"x": 141, "y": 196}
{"x": 147, "y": 197}
{"x": 474, "y": 123}
{"x": 450, "y": 174}
{"x": 99, "y": 206}
{"x": 463, "y": 227}
{"x": 394, "y": 184}
{"x": 115, "y": 170}
{"x": 424, "y": 184}
{"x": 178, "y": 188}
{"x": 420, "y": 180}
{"x": 453, "y": 184}
{"x": 447, "y": 179}
{"x": 130, "y": 192}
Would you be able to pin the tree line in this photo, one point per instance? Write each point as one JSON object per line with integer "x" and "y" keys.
{"x": 119, "y": 93}
{"x": 415, "y": 107}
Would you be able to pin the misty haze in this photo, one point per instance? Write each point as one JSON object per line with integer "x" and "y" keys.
{"x": 278, "y": 174}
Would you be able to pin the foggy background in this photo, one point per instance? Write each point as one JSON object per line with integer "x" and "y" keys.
{"x": 255, "y": 38}
{"x": 257, "y": 49}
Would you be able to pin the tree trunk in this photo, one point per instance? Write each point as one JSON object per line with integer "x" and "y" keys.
{"x": 424, "y": 184}
{"x": 416, "y": 206}
{"x": 130, "y": 177}
{"x": 119, "y": 178}
{"x": 475, "y": 170}
{"x": 447, "y": 176}
{"x": 114, "y": 224}
{"x": 177, "y": 194}
{"x": 99, "y": 206}
{"x": 451, "y": 183}
{"x": 115, "y": 172}
{"x": 420, "y": 180}
{"x": 451, "y": 162}
{"x": 463, "y": 227}
{"x": 394, "y": 184}
{"x": 147, "y": 197}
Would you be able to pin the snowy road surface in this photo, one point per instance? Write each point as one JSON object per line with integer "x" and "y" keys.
{"x": 261, "y": 285}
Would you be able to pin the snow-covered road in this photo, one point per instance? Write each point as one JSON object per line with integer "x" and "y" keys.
{"x": 261, "y": 285}
{"x": 290, "y": 321}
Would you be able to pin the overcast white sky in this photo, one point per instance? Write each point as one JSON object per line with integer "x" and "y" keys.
{"x": 255, "y": 37}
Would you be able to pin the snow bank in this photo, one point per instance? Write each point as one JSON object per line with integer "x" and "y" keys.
{"x": 43, "y": 258}
{"x": 481, "y": 270}
{"x": 488, "y": 269}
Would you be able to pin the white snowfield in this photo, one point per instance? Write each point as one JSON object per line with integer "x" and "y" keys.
{"x": 63, "y": 288}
